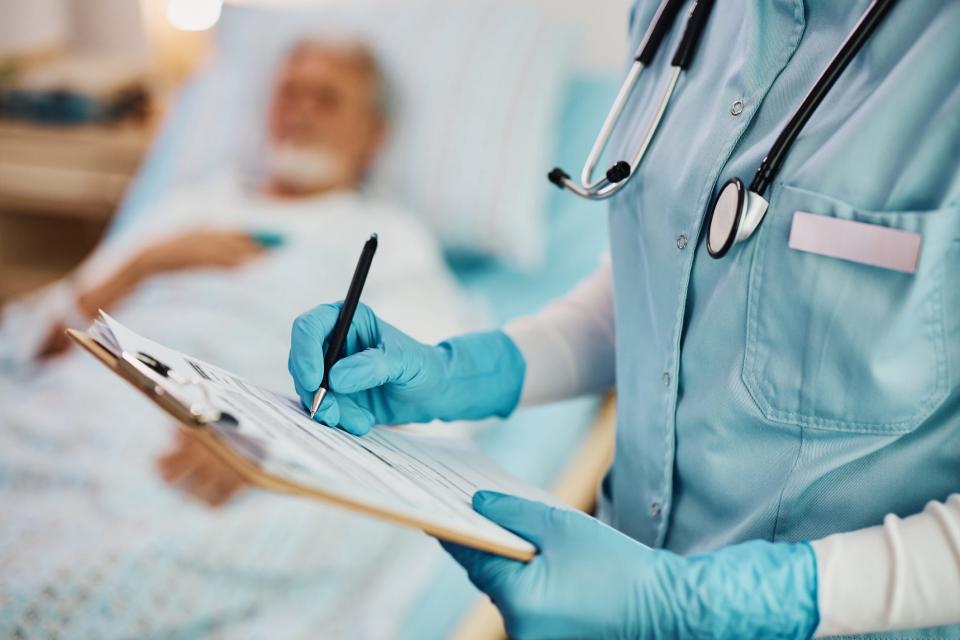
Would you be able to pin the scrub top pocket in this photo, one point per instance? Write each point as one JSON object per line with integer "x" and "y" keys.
{"x": 839, "y": 345}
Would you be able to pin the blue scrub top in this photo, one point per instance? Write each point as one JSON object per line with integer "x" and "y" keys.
{"x": 776, "y": 394}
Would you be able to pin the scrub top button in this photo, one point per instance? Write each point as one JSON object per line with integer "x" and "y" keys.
{"x": 682, "y": 241}
{"x": 666, "y": 378}
{"x": 736, "y": 108}
{"x": 655, "y": 509}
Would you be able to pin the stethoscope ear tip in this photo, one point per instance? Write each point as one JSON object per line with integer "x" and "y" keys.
{"x": 558, "y": 176}
{"x": 619, "y": 172}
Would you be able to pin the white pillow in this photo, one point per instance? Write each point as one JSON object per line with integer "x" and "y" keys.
{"x": 476, "y": 89}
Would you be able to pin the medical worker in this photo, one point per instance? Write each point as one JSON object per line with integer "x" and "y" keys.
{"x": 788, "y": 420}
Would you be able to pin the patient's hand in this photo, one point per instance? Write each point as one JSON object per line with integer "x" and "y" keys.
{"x": 195, "y": 249}
{"x": 200, "y": 249}
{"x": 55, "y": 343}
{"x": 194, "y": 469}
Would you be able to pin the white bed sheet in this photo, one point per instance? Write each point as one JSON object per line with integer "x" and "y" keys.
{"x": 92, "y": 544}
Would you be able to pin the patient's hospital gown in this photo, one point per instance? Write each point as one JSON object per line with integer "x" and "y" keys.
{"x": 92, "y": 544}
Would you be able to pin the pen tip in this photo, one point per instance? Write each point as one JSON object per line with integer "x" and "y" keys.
{"x": 373, "y": 236}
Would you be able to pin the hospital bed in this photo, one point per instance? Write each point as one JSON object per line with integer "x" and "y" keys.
{"x": 565, "y": 447}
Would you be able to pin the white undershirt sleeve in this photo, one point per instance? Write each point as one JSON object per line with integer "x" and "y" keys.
{"x": 904, "y": 574}
{"x": 569, "y": 345}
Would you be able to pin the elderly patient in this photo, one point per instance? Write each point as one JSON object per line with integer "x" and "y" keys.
{"x": 326, "y": 124}
{"x": 220, "y": 269}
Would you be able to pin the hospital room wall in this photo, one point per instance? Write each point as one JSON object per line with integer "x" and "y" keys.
{"x": 602, "y": 23}
{"x": 604, "y": 27}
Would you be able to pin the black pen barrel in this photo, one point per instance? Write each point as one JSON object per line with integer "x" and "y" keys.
{"x": 338, "y": 336}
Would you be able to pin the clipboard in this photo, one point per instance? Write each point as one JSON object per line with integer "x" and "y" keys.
{"x": 207, "y": 430}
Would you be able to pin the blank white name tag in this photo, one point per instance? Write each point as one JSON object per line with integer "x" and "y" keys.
{"x": 856, "y": 241}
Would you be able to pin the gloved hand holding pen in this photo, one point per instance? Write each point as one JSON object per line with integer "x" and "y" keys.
{"x": 387, "y": 377}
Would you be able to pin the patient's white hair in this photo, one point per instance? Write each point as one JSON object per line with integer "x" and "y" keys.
{"x": 363, "y": 58}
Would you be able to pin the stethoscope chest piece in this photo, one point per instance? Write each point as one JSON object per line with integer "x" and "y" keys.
{"x": 737, "y": 211}
{"x": 735, "y": 214}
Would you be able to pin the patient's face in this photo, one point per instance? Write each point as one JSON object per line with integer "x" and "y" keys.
{"x": 325, "y": 126}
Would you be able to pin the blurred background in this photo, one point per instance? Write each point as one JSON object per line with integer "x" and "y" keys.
{"x": 145, "y": 169}
{"x": 85, "y": 84}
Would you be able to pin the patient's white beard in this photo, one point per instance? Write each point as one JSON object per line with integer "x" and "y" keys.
{"x": 304, "y": 168}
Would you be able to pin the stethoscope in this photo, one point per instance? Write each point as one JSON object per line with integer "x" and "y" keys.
{"x": 736, "y": 212}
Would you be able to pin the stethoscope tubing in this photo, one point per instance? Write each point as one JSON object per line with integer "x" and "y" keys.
{"x": 861, "y": 32}
{"x": 620, "y": 172}
{"x": 659, "y": 27}
{"x": 737, "y": 211}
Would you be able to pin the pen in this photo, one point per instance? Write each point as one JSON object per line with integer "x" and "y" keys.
{"x": 342, "y": 327}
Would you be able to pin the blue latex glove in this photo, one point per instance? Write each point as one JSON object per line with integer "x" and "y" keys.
{"x": 591, "y": 581}
{"x": 387, "y": 377}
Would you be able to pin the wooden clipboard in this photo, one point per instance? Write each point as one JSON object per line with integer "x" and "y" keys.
{"x": 252, "y": 473}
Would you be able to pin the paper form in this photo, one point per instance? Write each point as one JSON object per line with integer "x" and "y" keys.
{"x": 411, "y": 475}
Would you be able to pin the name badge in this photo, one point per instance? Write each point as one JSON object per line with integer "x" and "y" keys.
{"x": 870, "y": 244}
